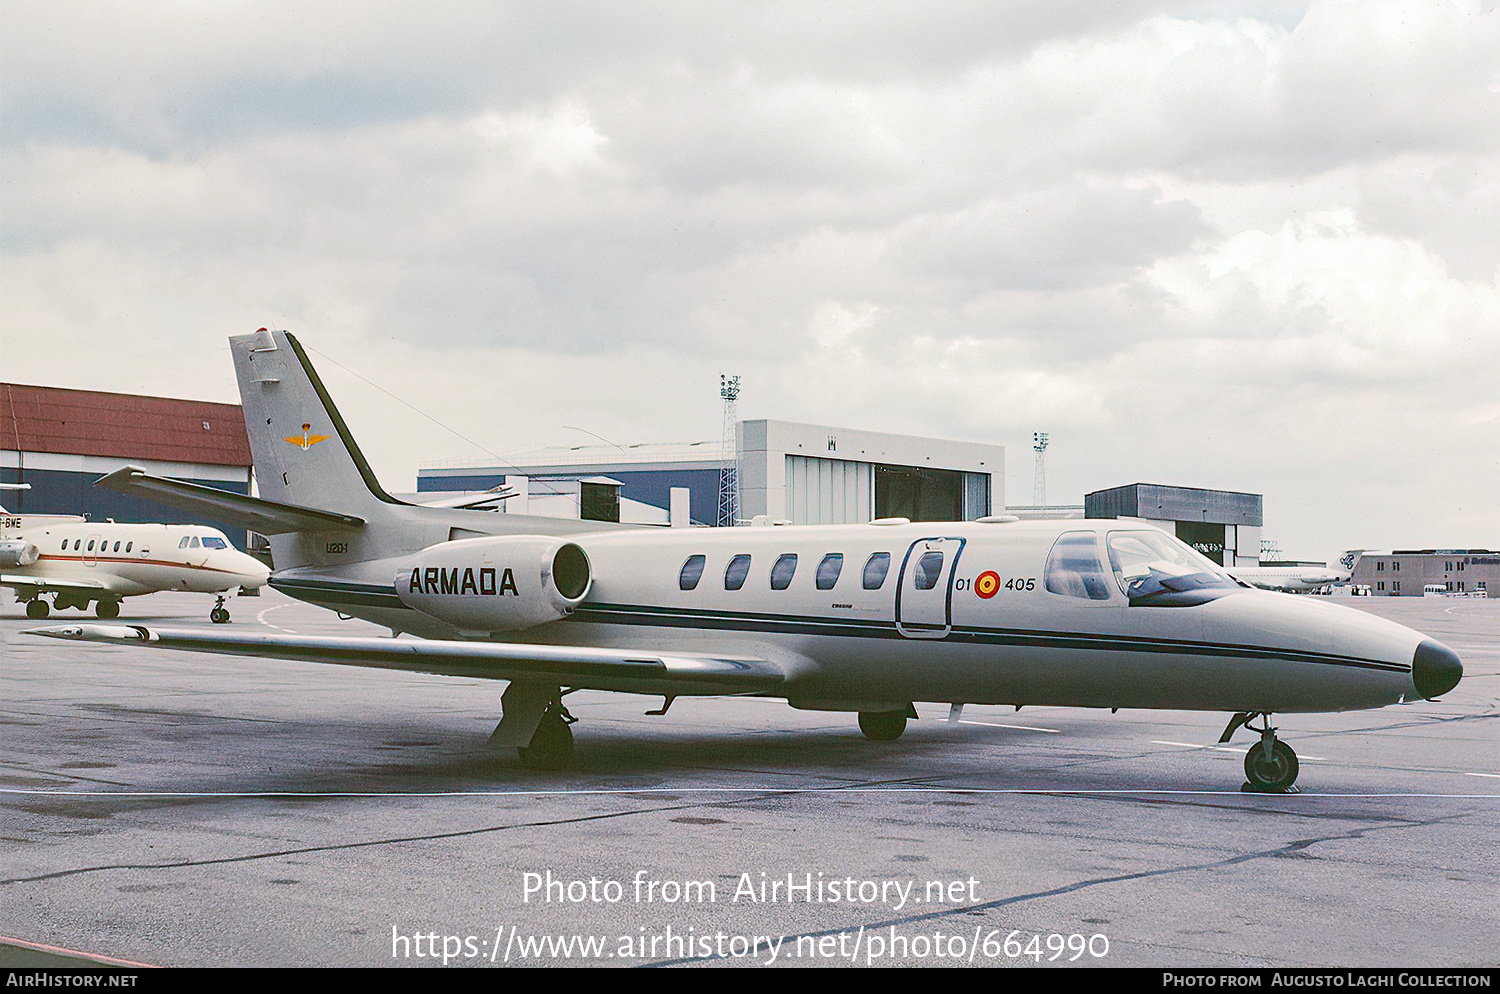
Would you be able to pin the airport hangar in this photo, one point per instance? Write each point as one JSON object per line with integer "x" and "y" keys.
{"x": 818, "y": 474}
{"x": 60, "y": 441}
{"x": 785, "y": 471}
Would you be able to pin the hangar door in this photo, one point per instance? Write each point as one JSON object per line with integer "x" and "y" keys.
{"x": 828, "y": 491}
{"x": 923, "y": 494}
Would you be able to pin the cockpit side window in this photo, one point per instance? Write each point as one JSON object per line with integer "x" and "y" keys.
{"x": 1073, "y": 567}
{"x": 183, "y": 543}
{"x": 1156, "y": 570}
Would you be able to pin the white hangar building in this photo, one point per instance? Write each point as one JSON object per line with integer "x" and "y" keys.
{"x": 798, "y": 473}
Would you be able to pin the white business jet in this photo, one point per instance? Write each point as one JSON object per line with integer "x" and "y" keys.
{"x": 861, "y": 618}
{"x": 79, "y": 562}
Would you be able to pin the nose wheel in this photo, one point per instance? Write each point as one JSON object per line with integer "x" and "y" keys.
{"x": 1270, "y": 765}
{"x": 220, "y": 614}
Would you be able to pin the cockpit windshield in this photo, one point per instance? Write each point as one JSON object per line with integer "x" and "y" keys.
{"x": 1156, "y": 570}
{"x": 209, "y": 542}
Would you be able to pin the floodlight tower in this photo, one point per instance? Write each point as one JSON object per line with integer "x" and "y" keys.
{"x": 729, "y": 390}
{"x": 1039, "y": 442}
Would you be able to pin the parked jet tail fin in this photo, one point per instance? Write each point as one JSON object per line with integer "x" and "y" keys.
{"x": 304, "y": 453}
{"x": 264, "y": 516}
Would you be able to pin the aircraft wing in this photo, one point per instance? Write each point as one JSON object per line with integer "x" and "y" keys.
{"x": 625, "y": 670}
{"x": 41, "y": 583}
{"x": 264, "y": 516}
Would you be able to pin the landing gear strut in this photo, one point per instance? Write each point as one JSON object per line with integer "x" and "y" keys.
{"x": 1270, "y": 765}
{"x": 220, "y": 614}
{"x": 551, "y": 745}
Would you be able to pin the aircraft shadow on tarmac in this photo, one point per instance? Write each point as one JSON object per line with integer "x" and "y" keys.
{"x": 191, "y": 752}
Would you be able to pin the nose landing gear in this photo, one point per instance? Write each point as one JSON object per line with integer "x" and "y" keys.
{"x": 1270, "y": 765}
{"x": 220, "y": 614}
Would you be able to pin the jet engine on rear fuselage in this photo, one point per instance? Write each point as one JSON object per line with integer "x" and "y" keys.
{"x": 18, "y": 552}
{"x": 498, "y": 584}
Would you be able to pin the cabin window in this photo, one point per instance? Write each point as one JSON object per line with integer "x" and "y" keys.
{"x": 876, "y": 567}
{"x": 128, "y": 545}
{"x": 91, "y": 545}
{"x": 829, "y": 569}
{"x": 116, "y": 548}
{"x": 736, "y": 571}
{"x": 782, "y": 572}
{"x": 1073, "y": 567}
{"x": 77, "y": 544}
{"x": 929, "y": 569}
{"x": 183, "y": 543}
{"x": 692, "y": 572}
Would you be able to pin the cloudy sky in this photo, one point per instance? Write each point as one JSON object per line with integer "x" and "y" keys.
{"x": 1251, "y": 246}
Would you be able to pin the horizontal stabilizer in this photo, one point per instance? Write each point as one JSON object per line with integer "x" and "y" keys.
{"x": 264, "y": 516}
{"x": 594, "y": 669}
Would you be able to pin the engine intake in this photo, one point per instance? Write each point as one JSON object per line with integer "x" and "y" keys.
{"x": 498, "y": 584}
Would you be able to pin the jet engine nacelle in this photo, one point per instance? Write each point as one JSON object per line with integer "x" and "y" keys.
{"x": 18, "y": 552}
{"x": 499, "y": 584}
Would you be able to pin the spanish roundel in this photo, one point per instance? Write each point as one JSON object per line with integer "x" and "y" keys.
{"x": 987, "y": 584}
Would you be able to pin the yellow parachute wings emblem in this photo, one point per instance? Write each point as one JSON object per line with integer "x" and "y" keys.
{"x": 305, "y": 441}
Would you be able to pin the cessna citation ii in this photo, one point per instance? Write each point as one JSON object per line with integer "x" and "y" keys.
{"x": 863, "y": 618}
{"x": 79, "y": 562}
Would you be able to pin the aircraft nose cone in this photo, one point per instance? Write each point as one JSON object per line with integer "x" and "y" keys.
{"x": 1435, "y": 669}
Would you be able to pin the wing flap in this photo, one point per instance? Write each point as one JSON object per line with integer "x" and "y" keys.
{"x": 627, "y": 670}
{"x": 48, "y": 583}
{"x": 267, "y": 517}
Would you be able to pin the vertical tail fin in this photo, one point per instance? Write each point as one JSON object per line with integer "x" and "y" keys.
{"x": 304, "y": 454}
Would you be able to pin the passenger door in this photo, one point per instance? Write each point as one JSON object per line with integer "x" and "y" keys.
{"x": 924, "y": 590}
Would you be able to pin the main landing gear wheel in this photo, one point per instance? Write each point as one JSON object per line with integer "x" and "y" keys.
{"x": 551, "y": 745}
{"x": 220, "y": 614}
{"x": 107, "y": 609}
{"x": 882, "y": 726}
{"x": 37, "y": 609}
{"x": 1274, "y": 774}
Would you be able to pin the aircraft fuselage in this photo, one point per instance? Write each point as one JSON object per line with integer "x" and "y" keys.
{"x": 960, "y": 612}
